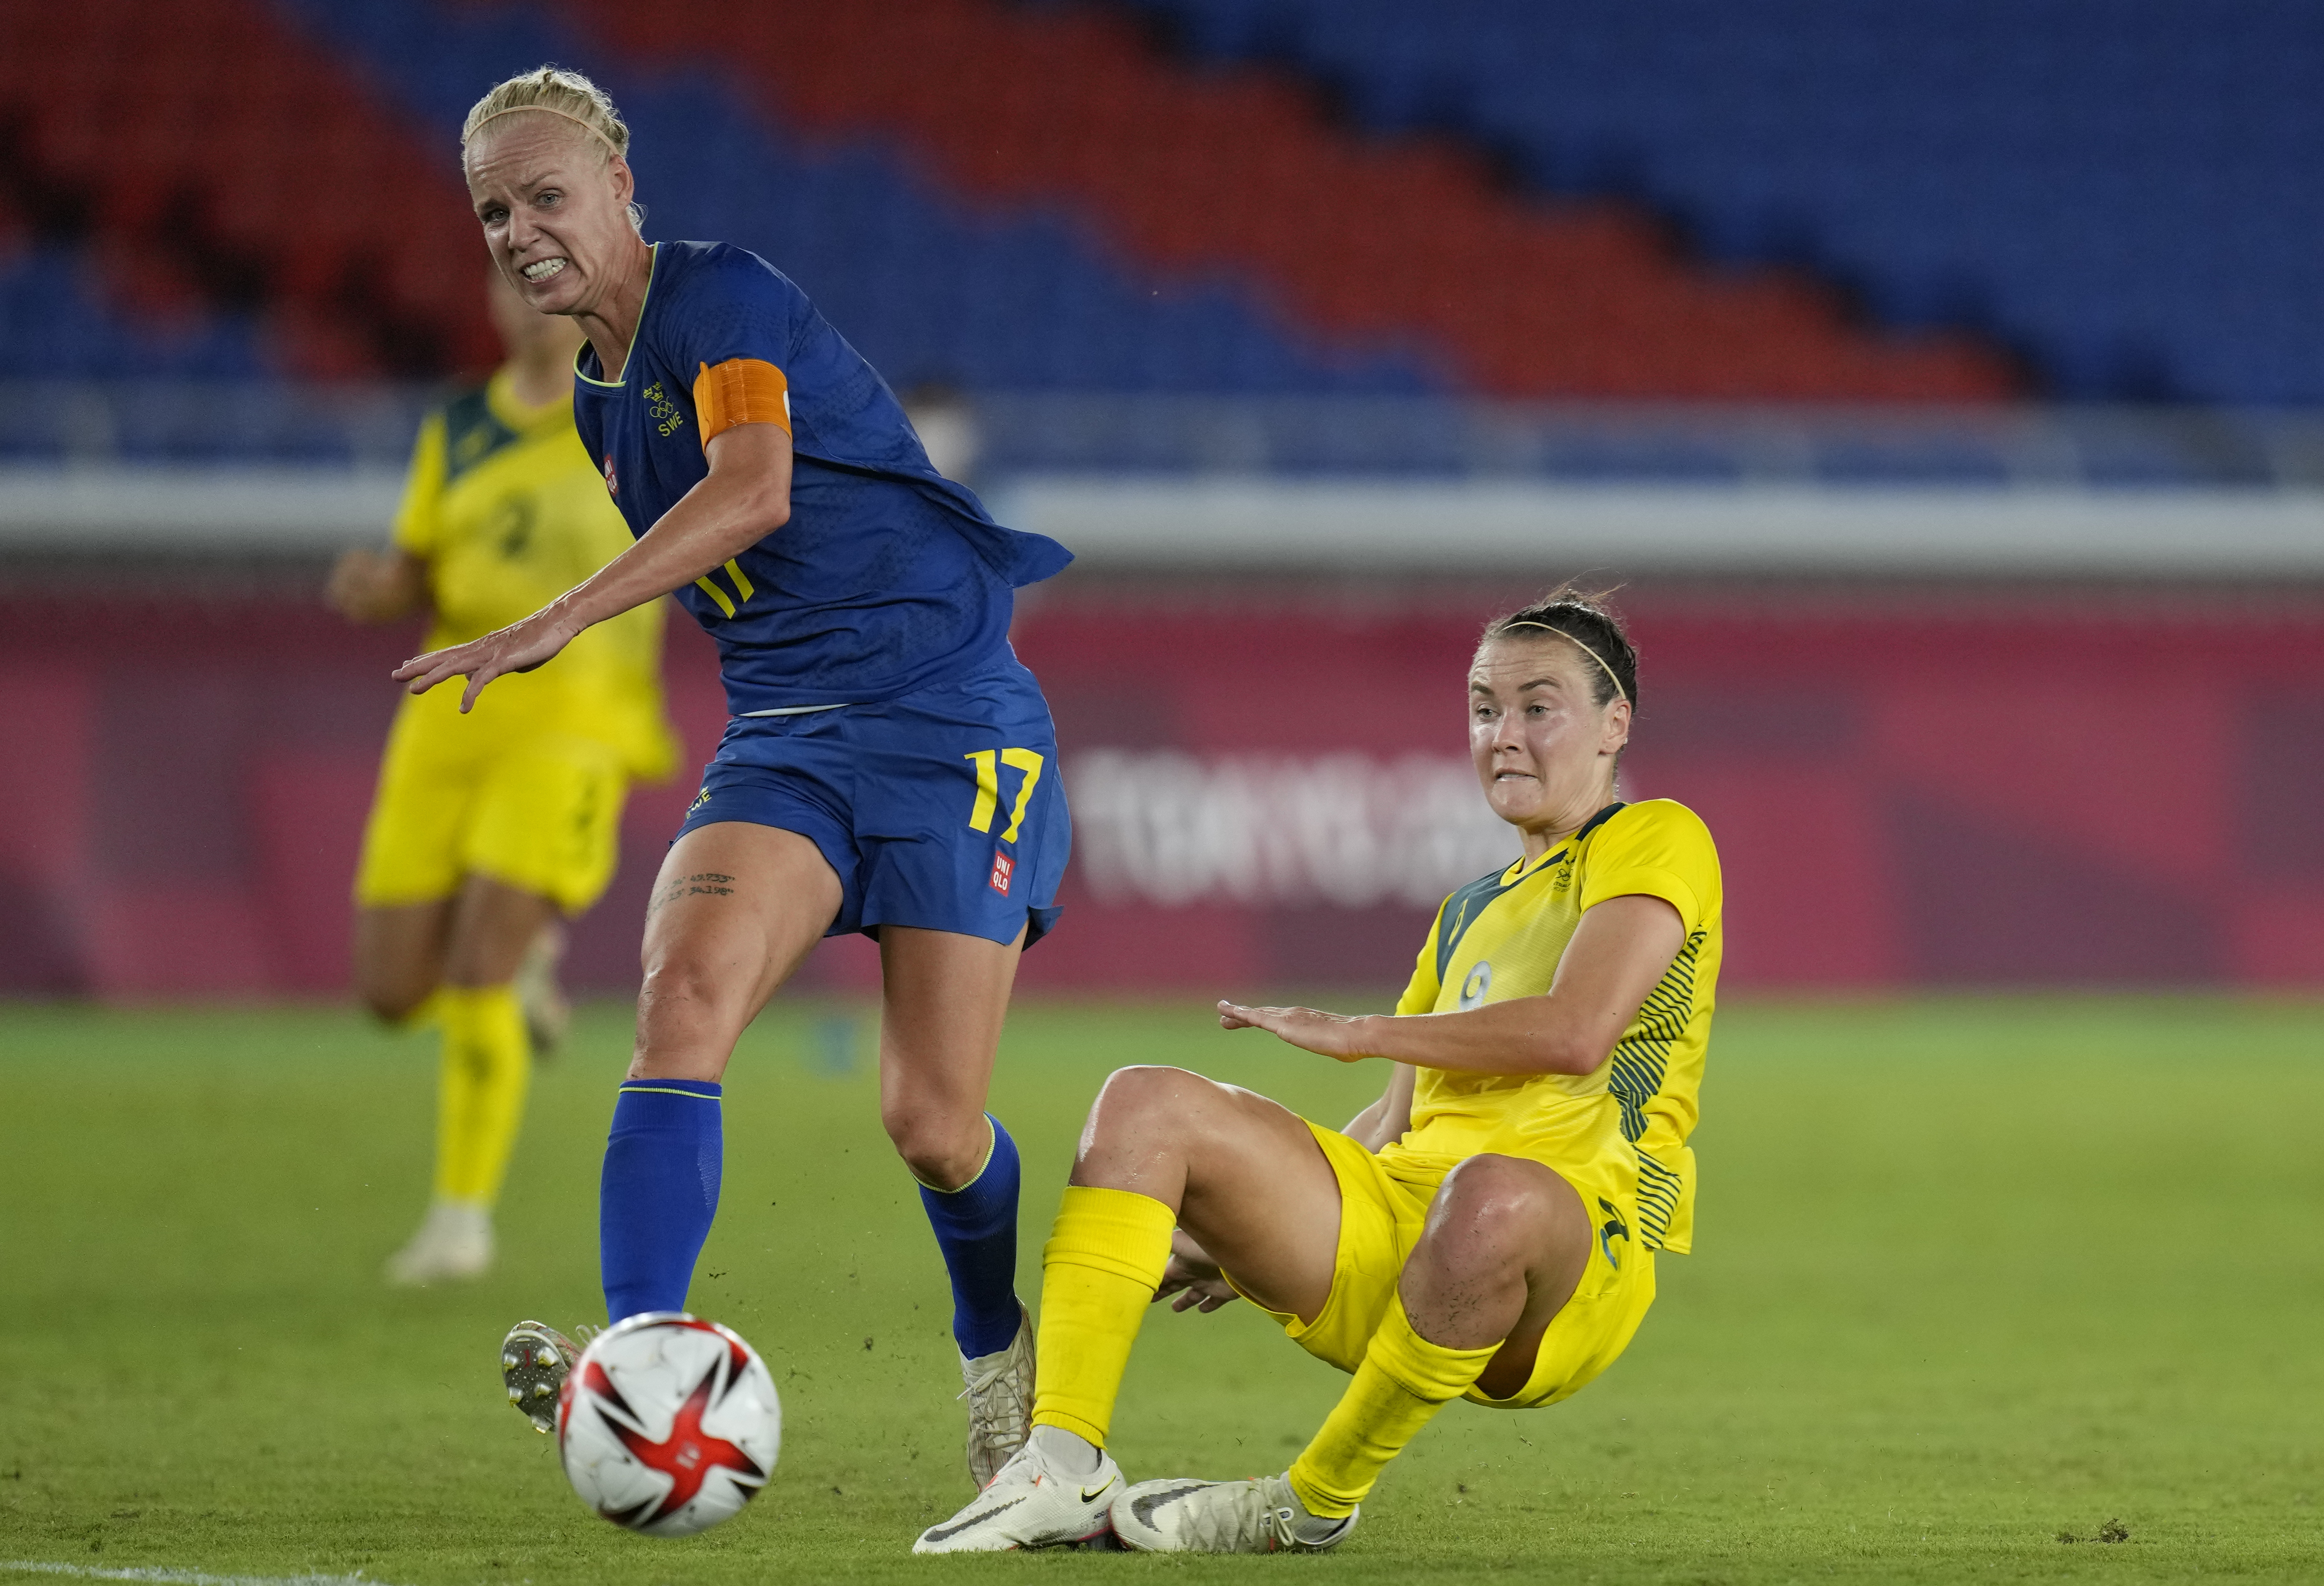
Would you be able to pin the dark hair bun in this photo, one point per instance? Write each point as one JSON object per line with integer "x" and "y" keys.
{"x": 1584, "y": 617}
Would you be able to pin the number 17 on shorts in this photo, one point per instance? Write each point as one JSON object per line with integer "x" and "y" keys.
{"x": 990, "y": 763}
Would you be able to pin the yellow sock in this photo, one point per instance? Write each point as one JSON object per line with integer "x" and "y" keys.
{"x": 1402, "y": 1383}
{"x": 1099, "y": 1271}
{"x": 480, "y": 1098}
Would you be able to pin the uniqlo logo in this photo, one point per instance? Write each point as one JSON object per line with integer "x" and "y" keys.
{"x": 1002, "y": 865}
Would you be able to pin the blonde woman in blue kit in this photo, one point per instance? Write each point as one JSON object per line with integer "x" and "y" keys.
{"x": 890, "y": 769}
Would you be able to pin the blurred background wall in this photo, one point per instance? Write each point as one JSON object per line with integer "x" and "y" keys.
{"x": 1944, "y": 383}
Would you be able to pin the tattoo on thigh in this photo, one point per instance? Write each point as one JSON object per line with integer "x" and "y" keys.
{"x": 709, "y": 884}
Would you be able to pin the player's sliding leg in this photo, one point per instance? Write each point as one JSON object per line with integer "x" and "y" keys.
{"x": 1504, "y": 1243}
{"x": 1163, "y": 1146}
{"x": 944, "y": 996}
{"x": 485, "y": 1066}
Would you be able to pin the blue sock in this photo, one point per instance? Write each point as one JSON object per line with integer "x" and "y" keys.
{"x": 977, "y": 1230}
{"x": 659, "y": 1193}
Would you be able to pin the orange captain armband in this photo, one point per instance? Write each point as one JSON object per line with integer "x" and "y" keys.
{"x": 741, "y": 390}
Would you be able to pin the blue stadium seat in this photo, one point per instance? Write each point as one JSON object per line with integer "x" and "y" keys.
{"x": 2073, "y": 176}
{"x": 929, "y": 293}
{"x": 57, "y": 327}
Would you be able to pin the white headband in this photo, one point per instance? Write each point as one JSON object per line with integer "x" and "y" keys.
{"x": 1585, "y": 649}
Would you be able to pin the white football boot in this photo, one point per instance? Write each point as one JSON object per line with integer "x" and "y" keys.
{"x": 454, "y": 1241}
{"x": 1182, "y": 1516}
{"x": 1031, "y": 1504}
{"x": 535, "y": 1361}
{"x": 1000, "y": 1394}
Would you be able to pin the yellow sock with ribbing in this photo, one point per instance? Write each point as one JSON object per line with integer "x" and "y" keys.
{"x": 1104, "y": 1259}
{"x": 488, "y": 1066}
{"x": 1402, "y": 1381}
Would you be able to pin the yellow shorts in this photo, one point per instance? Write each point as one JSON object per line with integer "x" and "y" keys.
{"x": 1381, "y": 1211}
{"x": 541, "y": 813}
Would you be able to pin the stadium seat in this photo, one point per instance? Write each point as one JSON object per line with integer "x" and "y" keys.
{"x": 2068, "y": 176}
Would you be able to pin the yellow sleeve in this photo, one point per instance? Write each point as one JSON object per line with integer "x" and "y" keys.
{"x": 1660, "y": 849}
{"x": 416, "y": 516}
{"x": 1420, "y": 995}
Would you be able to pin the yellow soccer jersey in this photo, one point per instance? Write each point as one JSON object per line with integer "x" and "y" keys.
{"x": 1501, "y": 937}
{"x": 504, "y": 505}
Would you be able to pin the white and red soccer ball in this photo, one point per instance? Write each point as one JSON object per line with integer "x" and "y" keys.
{"x": 669, "y": 1425}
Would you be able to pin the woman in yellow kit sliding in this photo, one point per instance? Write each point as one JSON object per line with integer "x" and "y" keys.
{"x": 488, "y": 827}
{"x": 1487, "y": 1229}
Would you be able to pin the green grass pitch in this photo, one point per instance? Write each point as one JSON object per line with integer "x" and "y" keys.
{"x": 1972, "y": 1274}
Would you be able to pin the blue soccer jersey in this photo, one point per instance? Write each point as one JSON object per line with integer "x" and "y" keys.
{"x": 888, "y": 576}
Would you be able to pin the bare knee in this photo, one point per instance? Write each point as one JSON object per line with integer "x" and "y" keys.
{"x": 682, "y": 990}
{"x": 1143, "y": 1103}
{"x": 1495, "y": 1212}
{"x": 687, "y": 1021}
{"x": 944, "y": 1153}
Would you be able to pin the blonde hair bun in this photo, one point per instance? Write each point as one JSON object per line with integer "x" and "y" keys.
{"x": 560, "y": 92}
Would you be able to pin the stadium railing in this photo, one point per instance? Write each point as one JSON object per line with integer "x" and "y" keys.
{"x": 1366, "y": 481}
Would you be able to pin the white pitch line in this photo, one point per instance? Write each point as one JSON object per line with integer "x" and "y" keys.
{"x": 180, "y": 1576}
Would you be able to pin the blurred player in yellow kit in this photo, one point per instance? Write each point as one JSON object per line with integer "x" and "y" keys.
{"x": 489, "y": 826}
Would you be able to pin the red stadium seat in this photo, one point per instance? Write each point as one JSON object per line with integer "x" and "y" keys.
{"x": 137, "y": 105}
{"x": 1194, "y": 171}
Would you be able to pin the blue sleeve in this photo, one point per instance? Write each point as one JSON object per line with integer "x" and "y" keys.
{"x": 730, "y": 304}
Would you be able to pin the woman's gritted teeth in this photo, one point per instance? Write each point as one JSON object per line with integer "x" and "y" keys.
{"x": 540, "y": 270}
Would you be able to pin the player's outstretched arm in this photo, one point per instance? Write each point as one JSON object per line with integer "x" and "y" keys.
{"x": 745, "y": 497}
{"x": 1619, "y": 951}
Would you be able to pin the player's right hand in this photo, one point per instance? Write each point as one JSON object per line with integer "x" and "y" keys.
{"x": 518, "y": 647}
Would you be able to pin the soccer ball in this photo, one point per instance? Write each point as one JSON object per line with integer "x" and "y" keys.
{"x": 669, "y": 1423}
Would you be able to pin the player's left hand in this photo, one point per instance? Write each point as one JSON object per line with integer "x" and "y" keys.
{"x": 1199, "y": 1282}
{"x": 1334, "y": 1035}
{"x": 518, "y": 647}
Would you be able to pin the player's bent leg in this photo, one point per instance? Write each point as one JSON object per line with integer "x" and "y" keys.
{"x": 945, "y": 995}
{"x": 1504, "y": 1245}
{"x": 1166, "y": 1149}
{"x": 735, "y": 908}
{"x": 1162, "y": 1145}
{"x": 1241, "y": 1174}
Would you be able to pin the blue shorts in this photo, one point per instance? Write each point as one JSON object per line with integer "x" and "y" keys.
{"x": 942, "y": 810}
